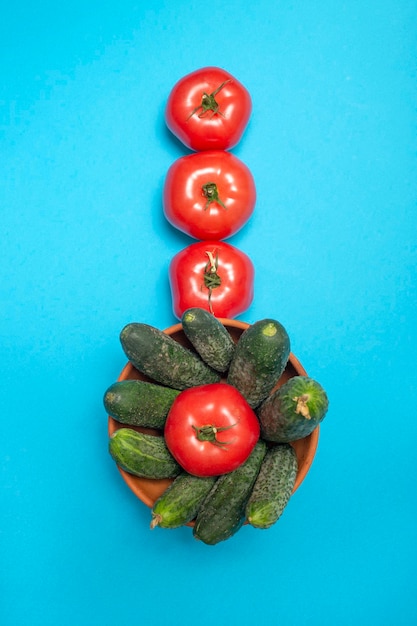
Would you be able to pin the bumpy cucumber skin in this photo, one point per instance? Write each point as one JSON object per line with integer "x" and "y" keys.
{"x": 163, "y": 359}
{"x": 139, "y": 403}
{"x": 278, "y": 416}
{"x": 209, "y": 338}
{"x": 142, "y": 455}
{"x": 260, "y": 358}
{"x": 179, "y": 504}
{"x": 223, "y": 511}
{"x": 273, "y": 486}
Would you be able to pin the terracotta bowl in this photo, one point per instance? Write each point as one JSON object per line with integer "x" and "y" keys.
{"x": 148, "y": 490}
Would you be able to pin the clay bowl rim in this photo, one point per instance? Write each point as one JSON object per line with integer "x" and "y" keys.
{"x": 141, "y": 486}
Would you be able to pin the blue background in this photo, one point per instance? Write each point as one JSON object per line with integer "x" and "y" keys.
{"x": 85, "y": 249}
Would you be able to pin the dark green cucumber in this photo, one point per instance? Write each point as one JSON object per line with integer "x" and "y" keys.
{"x": 260, "y": 358}
{"x": 223, "y": 511}
{"x": 142, "y": 455}
{"x": 209, "y": 338}
{"x": 163, "y": 359}
{"x": 293, "y": 411}
{"x": 180, "y": 503}
{"x": 139, "y": 403}
{"x": 273, "y": 487}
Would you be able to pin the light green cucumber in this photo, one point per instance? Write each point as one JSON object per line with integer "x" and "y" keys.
{"x": 223, "y": 511}
{"x": 260, "y": 358}
{"x": 139, "y": 403}
{"x": 209, "y": 338}
{"x": 142, "y": 455}
{"x": 180, "y": 502}
{"x": 293, "y": 411}
{"x": 164, "y": 360}
{"x": 273, "y": 487}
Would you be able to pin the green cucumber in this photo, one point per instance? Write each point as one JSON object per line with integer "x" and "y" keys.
{"x": 139, "y": 403}
{"x": 223, "y": 511}
{"x": 293, "y": 411}
{"x": 260, "y": 358}
{"x": 180, "y": 503}
{"x": 273, "y": 487}
{"x": 142, "y": 455}
{"x": 161, "y": 358}
{"x": 209, "y": 338}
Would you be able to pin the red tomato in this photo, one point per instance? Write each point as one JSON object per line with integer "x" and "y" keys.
{"x": 209, "y": 195}
{"x": 208, "y": 109}
{"x": 211, "y": 429}
{"x": 212, "y": 275}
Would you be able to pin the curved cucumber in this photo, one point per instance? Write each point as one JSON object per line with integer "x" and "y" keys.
{"x": 163, "y": 359}
{"x": 180, "y": 503}
{"x": 260, "y": 358}
{"x": 273, "y": 487}
{"x": 139, "y": 403}
{"x": 223, "y": 511}
{"x": 293, "y": 411}
{"x": 142, "y": 455}
{"x": 209, "y": 338}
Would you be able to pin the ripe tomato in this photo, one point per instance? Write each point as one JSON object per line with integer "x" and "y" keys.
{"x": 208, "y": 109}
{"x": 209, "y": 195}
{"x": 211, "y": 429}
{"x": 212, "y": 275}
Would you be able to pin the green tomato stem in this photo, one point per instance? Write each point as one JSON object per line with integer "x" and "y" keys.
{"x": 211, "y": 277}
{"x": 211, "y": 192}
{"x": 208, "y": 103}
{"x": 208, "y": 432}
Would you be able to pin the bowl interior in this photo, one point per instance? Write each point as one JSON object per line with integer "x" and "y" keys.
{"x": 149, "y": 490}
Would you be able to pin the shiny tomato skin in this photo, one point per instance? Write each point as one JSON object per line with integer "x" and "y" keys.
{"x": 188, "y": 200}
{"x": 188, "y": 273}
{"x": 217, "y": 405}
{"x": 221, "y": 129}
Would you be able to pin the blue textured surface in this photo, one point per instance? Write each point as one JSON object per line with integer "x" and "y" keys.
{"x": 85, "y": 249}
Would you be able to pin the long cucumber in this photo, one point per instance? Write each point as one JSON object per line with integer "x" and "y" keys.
{"x": 139, "y": 403}
{"x": 161, "y": 358}
{"x": 273, "y": 486}
{"x": 259, "y": 359}
{"x": 180, "y": 503}
{"x": 209, "y": 338}
{"x": 223, "y": 511}
{"x": 142, "y": 455}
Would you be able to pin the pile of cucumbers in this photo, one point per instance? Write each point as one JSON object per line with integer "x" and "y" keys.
{"x": 260, "y": 488}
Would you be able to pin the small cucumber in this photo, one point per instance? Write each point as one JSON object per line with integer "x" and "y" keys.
{"x": 293, "y": 411}
{"x": 273, "y": 487}
{"x": 209, "y": 338}
{"x": 139, "y": 403}
{"x": 163, "y": 359}
{"x": 142, "y": 455}
{"x": 180, "y": 503}
{"x": 260, "y": 358}
{"x": 223, "y": 511}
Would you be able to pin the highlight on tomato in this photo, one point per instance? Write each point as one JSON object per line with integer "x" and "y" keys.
{"x": 210, "y": 429}
{"x": 208, "y": 109}
{"x": 209, "y": 195}
{"x": 214, "y": 276}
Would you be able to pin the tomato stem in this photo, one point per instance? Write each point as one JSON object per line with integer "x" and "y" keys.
{"x": 211, "y": 192}
{"x": 211, "y": 277}
{"x": 208, "y": 103}
{"x": 208, "y": 432}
